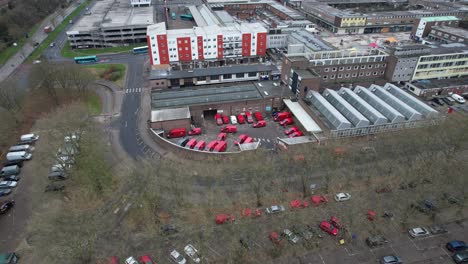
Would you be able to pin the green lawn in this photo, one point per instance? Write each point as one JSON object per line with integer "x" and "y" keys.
{"x": 68, "y": 52}
{"x": 99, "y": 69}
{"x": 12, "y": 50}
{"x": 53, "y": 35}
{"x": 93, "y": 101}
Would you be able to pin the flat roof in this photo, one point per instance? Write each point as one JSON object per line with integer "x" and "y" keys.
{"x": 170, "y": 114}
{"x": 110, "y": 14}
{"x": 302, "y": 116}
{"x": 461, "y": 32}
{"x": 270, "y": 89}
{"x": 439, "y": 18}
{"x": 233, "y": 69}
{"x": 443, "y": 83}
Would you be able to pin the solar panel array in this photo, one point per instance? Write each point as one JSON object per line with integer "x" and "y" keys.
{"x": 353, "y": 115}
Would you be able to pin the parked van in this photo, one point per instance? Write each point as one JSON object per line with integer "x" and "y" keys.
{"x": 281, "y": 116}
{"x": 10, "y": 170}
{"x": 21, "y": 155}
{"x": 200, "y": 145}
{"x": 222, "y": 136}
{"x": 458, "y": 98}
{"x": 212, "y": 145}
{"x": 191, "y": 143}
{"x": 29, "y": 138}
{"x": 176, "y": 133}
{"x": 249, "y": 140}
{"x": 22, "y": 148}
{"x": 258, "y": 116}
{"x": 229, "y": 129}
{"x": 220, "y": 147}
{"x": 249, "y": 117}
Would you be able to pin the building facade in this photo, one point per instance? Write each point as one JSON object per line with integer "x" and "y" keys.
{"x": 445, "y": 34}
{"x": 424, "y": 25}
{"x": 140, "y": 3}
{"x": 442, "y": 63}
{"x": 402, "y": 61}
{"x": 212, "y": 42}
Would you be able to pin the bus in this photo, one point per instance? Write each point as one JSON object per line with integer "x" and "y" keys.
{"x": 187, "y": 17}
{"x": 87, "y": 59}
{"x": 173, "y": 16}
{"x": 140, "y": 50}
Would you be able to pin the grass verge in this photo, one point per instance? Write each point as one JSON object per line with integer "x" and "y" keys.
{"x": 94, "y": 104}
{"x": 12, "y": 50}
{"x": 53, "y": 35}
{"x": 68, "y": 52}
{"x": 110, "y": 72}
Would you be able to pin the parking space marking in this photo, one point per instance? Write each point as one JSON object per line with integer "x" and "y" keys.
{"x": 214, "y": 251}
{"x": 321, "y": 258}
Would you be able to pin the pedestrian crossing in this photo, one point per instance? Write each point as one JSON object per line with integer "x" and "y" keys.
{"x": 263, "y": 139}
{"x": 133, "y": 90}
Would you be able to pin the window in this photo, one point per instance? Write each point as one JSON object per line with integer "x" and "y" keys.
{"x": 179, "y": 41}
{"x": 325, "y": 77}
{"x": 348, "y": 68}
{"x": 332, "y": 76}
{"x": 227, "y": 76}
{"x": 186, "y": 48}
{"x": 375, "y": 73}
{"x": 363, "y": 67}
{"x": 356, "y": 67}
{"x": 369, "y": 66}
{"x": 361, "y": 74}
{"x": 341, "y": 68}
{"x": 326, "y": 69}
{"x": 333, "y": 69}
{"x": 214, "y": 77}
{"x": 377, "y": 65}
{"x": 252, "y": 74}
{"x": 384, "y": 65}
{"x": 382, "y": 72}
{"x": 154, "y": 45}
{"x": 347, "y": 75}
{"x": 201, "y": 78}
{"x": 354, "y": 74}
{"x": 340, "y": 76}
{"x": 367, "y": 73}
{"x": 239, "y": 75}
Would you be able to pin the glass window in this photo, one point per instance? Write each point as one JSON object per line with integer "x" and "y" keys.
{"x": 227, "y": 76}
{"x": 214, "y": 77}
{"x": 326, "y": 69}
{"x": 252, "y": 74}
{"x": 239, "y": 75}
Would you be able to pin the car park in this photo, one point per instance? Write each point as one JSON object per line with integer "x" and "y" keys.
{"x": 376, "y": 241}
{"x": 192, "y": 253}
{"x": 296, "y": 134}
{"x": 225, "y": 119}
{"x": 390, "y": 259}
{"x": 246, "y": 242}
{"x": 233, "y": 120}
{"x": 177, "y": 257}
{"x": 456, "y": 246}
{"x": 258, "y": 116}
{"x": 290, "y": 236}
{"x": 418, "y": 232}
{"x": 10, "y": 170}
{"x": 241, "y": 119}
{"x": 212, "y": 145}
{"x": 248, "y": 115}
{"x": 261, "y": 123}
{"x": 329, "y": 228}
{"x": 183, "y": 141}
{"x": 5, "y": 192}
{"x": 220, "y": 147}
{"x": 176, "y": 133}
{"x": 8, "y": 184}
{"x": 219, "y": 120}
{"x": 29, "y": 138}
{"x": 21, "y": 155}
{"x": 461, "y": 257}
{"x": 221, "y": 136}
{"x": 291, "y": 130}
{"x": 191, "y": 143}
{"x": 340, "y": 197}
{"x": 200, "y": 145}
{"x": 229, "y": 129}
{"x": 275, "y": 238}
{"x": 195, "y": 131}
{"x": 5, "y": 206}
{"x": 275, "y": 209}
{"x": 286, "y": 122}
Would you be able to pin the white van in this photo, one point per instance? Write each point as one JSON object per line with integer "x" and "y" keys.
{"x": 22, "y": 148}
{"x": 29, "y": 138}
{"x": 458, "y": 98}
{"x": 21, "y": 155}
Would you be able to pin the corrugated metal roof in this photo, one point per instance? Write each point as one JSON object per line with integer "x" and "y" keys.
{"x": 330, "y": 112}
{"x": 362, "y": 106}
{"x": 381, "y": 106}
{"x": 346, "y": 108}
{"x": 302, "y": 116}
{"x": 170, "y": 114}
{"x": 410, "y": 100}
{"x": 410, "y": 113}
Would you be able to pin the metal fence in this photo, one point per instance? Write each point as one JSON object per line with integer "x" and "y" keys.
{"x": 391, "y": 127}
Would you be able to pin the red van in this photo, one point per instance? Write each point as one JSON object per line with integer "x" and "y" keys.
{"x": 240, "y": 119}
{"x": 229, "y": 129}
{"x": 191, "y": 143}
{"x": 219, "y": 120}
{"x": 222, "y": 136}
{"x": 195, "y": 131}
{"x": 286, "y": 121}
{"x": 220, "y": 147}
{"x": 241, "y": 138}
{"x": 296, "y": 134}
{"x": 225, "y": 119}
{"x": 281, "y": 116}
{"x": 291, "y": 130}
{"x": 212, "y": 145}
{"x": 261, "y": 123}
{"x": 200, "y": 145}
{"x": 258, "y": 116}
{"x": 176, "y": 133}
{"x": 249, "y": 117}
{"x": 248, "y": 140}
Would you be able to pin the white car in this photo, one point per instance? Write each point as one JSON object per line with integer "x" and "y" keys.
{"x": 418, "y": 232}
{"x": 291, "y": 236}
{"x": 192, "y": 252}
{"x": 177, "y": 257}
{"x": 275, "y": 209}
{"x": 8, "y": 184}
{"x": 29, "y": 138}
{"x": 131, "y": 260}
{"x": 340, "y": 197}
{"x": 233, "y": 120}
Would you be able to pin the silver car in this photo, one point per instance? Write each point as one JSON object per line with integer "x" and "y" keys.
{"x": 418, "y": 232}
{"x": 275, "y": 209}
{"x": 291, "y": 236}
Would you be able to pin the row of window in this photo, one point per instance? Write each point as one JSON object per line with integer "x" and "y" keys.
{"x": 228, "y": 76}
{"x": 444, "y": 57}
{"x": 347, "y": 75}
{"x": 355, "y": 67}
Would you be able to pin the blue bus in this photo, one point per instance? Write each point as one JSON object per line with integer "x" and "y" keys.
{"x": 140, "y": 50}
{"x": 86, "y": 59}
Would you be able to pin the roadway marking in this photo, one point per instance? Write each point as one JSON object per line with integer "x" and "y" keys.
{"x": 136, "y": 112}
{"x": 125, "y": 123}
{"x": 214, "y": 251}
{"x": 321, "y": 258}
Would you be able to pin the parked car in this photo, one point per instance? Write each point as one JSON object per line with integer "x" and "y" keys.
{"x": 8, "y": 184}
{"x": 418, "y": 232}
{"x": 437, "y": 101}
{"x": 146, "y": 259}
{"x": 438, "y": 229}
{"x": 376, "y": 241}
{"x": 275, "y": 238}
{"x": 286, "y": 122}
{"x": 11, "y": 178}
{"x": 24, "y": 147}
{"x": 261, "y": 123}
{"x": 200, "y": 145}
{"x": 391, "y": 259}
{"x": 219, "y": 120}
{"x": 5, "y": 192}
{"x": 451, "y": 198}
{"x": 248, "y": 140}
{"x": 212, "y": 145}
{"x": 220, "y": 147}
{"x": 336, "y": 222}
{"x": 10, "y": 170}
{"x": 131, "y": 260}
{"x": 461, "y": 257}
{"x": 246, "y": 242}
{"x": 22, "y": 155}
{"x": 329, "y": 228}
{"x": 241, "y": 139}
{"x": 274, "y": 209}
{"x": 195, "y": 131}
{"x": 456, "y": 245}
{"x": 258, "y": 116}
{"x": 281, "y": 116}
{"x": 54, "y": 187}
{"x": 229, "y": 129}
{"x": 19, "y": 163}
{"x": 340, "y": 197}
{"x": 176, "y": 133}
{"x": 458, "y": 98}
{"x": 240, "y": 119}
{"x": 248, "y": 115}
{"x": 225, "y": 119}
{"x": 296, "y": 134}
{"x": 192, "y": 253}
{"x": 6, "y": 206}
{"x": 291, "y": 130}
{"x": 191, "y": 143}
{"x": 290, "y": 236}
{"x": 221, "y": 136}
{"x": 29, "y": 138}
{"x": 233, "y": 120}
{"x": 183, "y": 141}
{"x": 177, "y": 257}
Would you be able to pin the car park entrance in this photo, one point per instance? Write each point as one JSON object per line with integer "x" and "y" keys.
{"x": 209, "y": 114}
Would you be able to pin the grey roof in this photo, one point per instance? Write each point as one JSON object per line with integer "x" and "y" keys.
{"x": 233, "y": 69}
{"x": 381, "y": 106}
{"x": 427, "y": 111}
{"x": 161, "y": 99}
{"x": 396, "y": 103}
{"x": 346, "y": 108}
{"x": 362, "y": 106}
{"x": 326, "y": 109}
{"x": 302, "y": 116}
{"x": 170, "y": 114}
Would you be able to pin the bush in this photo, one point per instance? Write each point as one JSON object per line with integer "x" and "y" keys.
{"x": 115, "y": 76}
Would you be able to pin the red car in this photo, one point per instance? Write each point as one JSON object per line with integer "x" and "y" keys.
{"x": 146, "y": 259}
{"x": 248, "y": 140}
{"x": 318, "y": 199}
{"x": 200, "y": 145}
{"x": 219, "y": 120}
{"x": 176, "y": 133}
{"x": 240, "y": 119}
{"x": 258, "y": 116}
{"x": 212, "y": 145}
{"x": 275, "y": 238}
{"x": 249, "y": 117}
{"x": 241, "y": 138}
{"x": 225, "y": 119}
{"x": 195, "y": 131}
{"x": 286, "y": 122}
{"x": 222, "y": 136}
{"x": 296, "y": 134}
{"x": 291, "y": 130}
{"x": 281, "y": 116}
{"x": 229, "y": 129}
{"x": 220, "y": 147}
{"x": 260, "y": 123}
{"x": 298, "y": 204}
{"x": 329, "y": 228}
{"x": 191, "y": 143}
{"x": 335, "y": 222}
